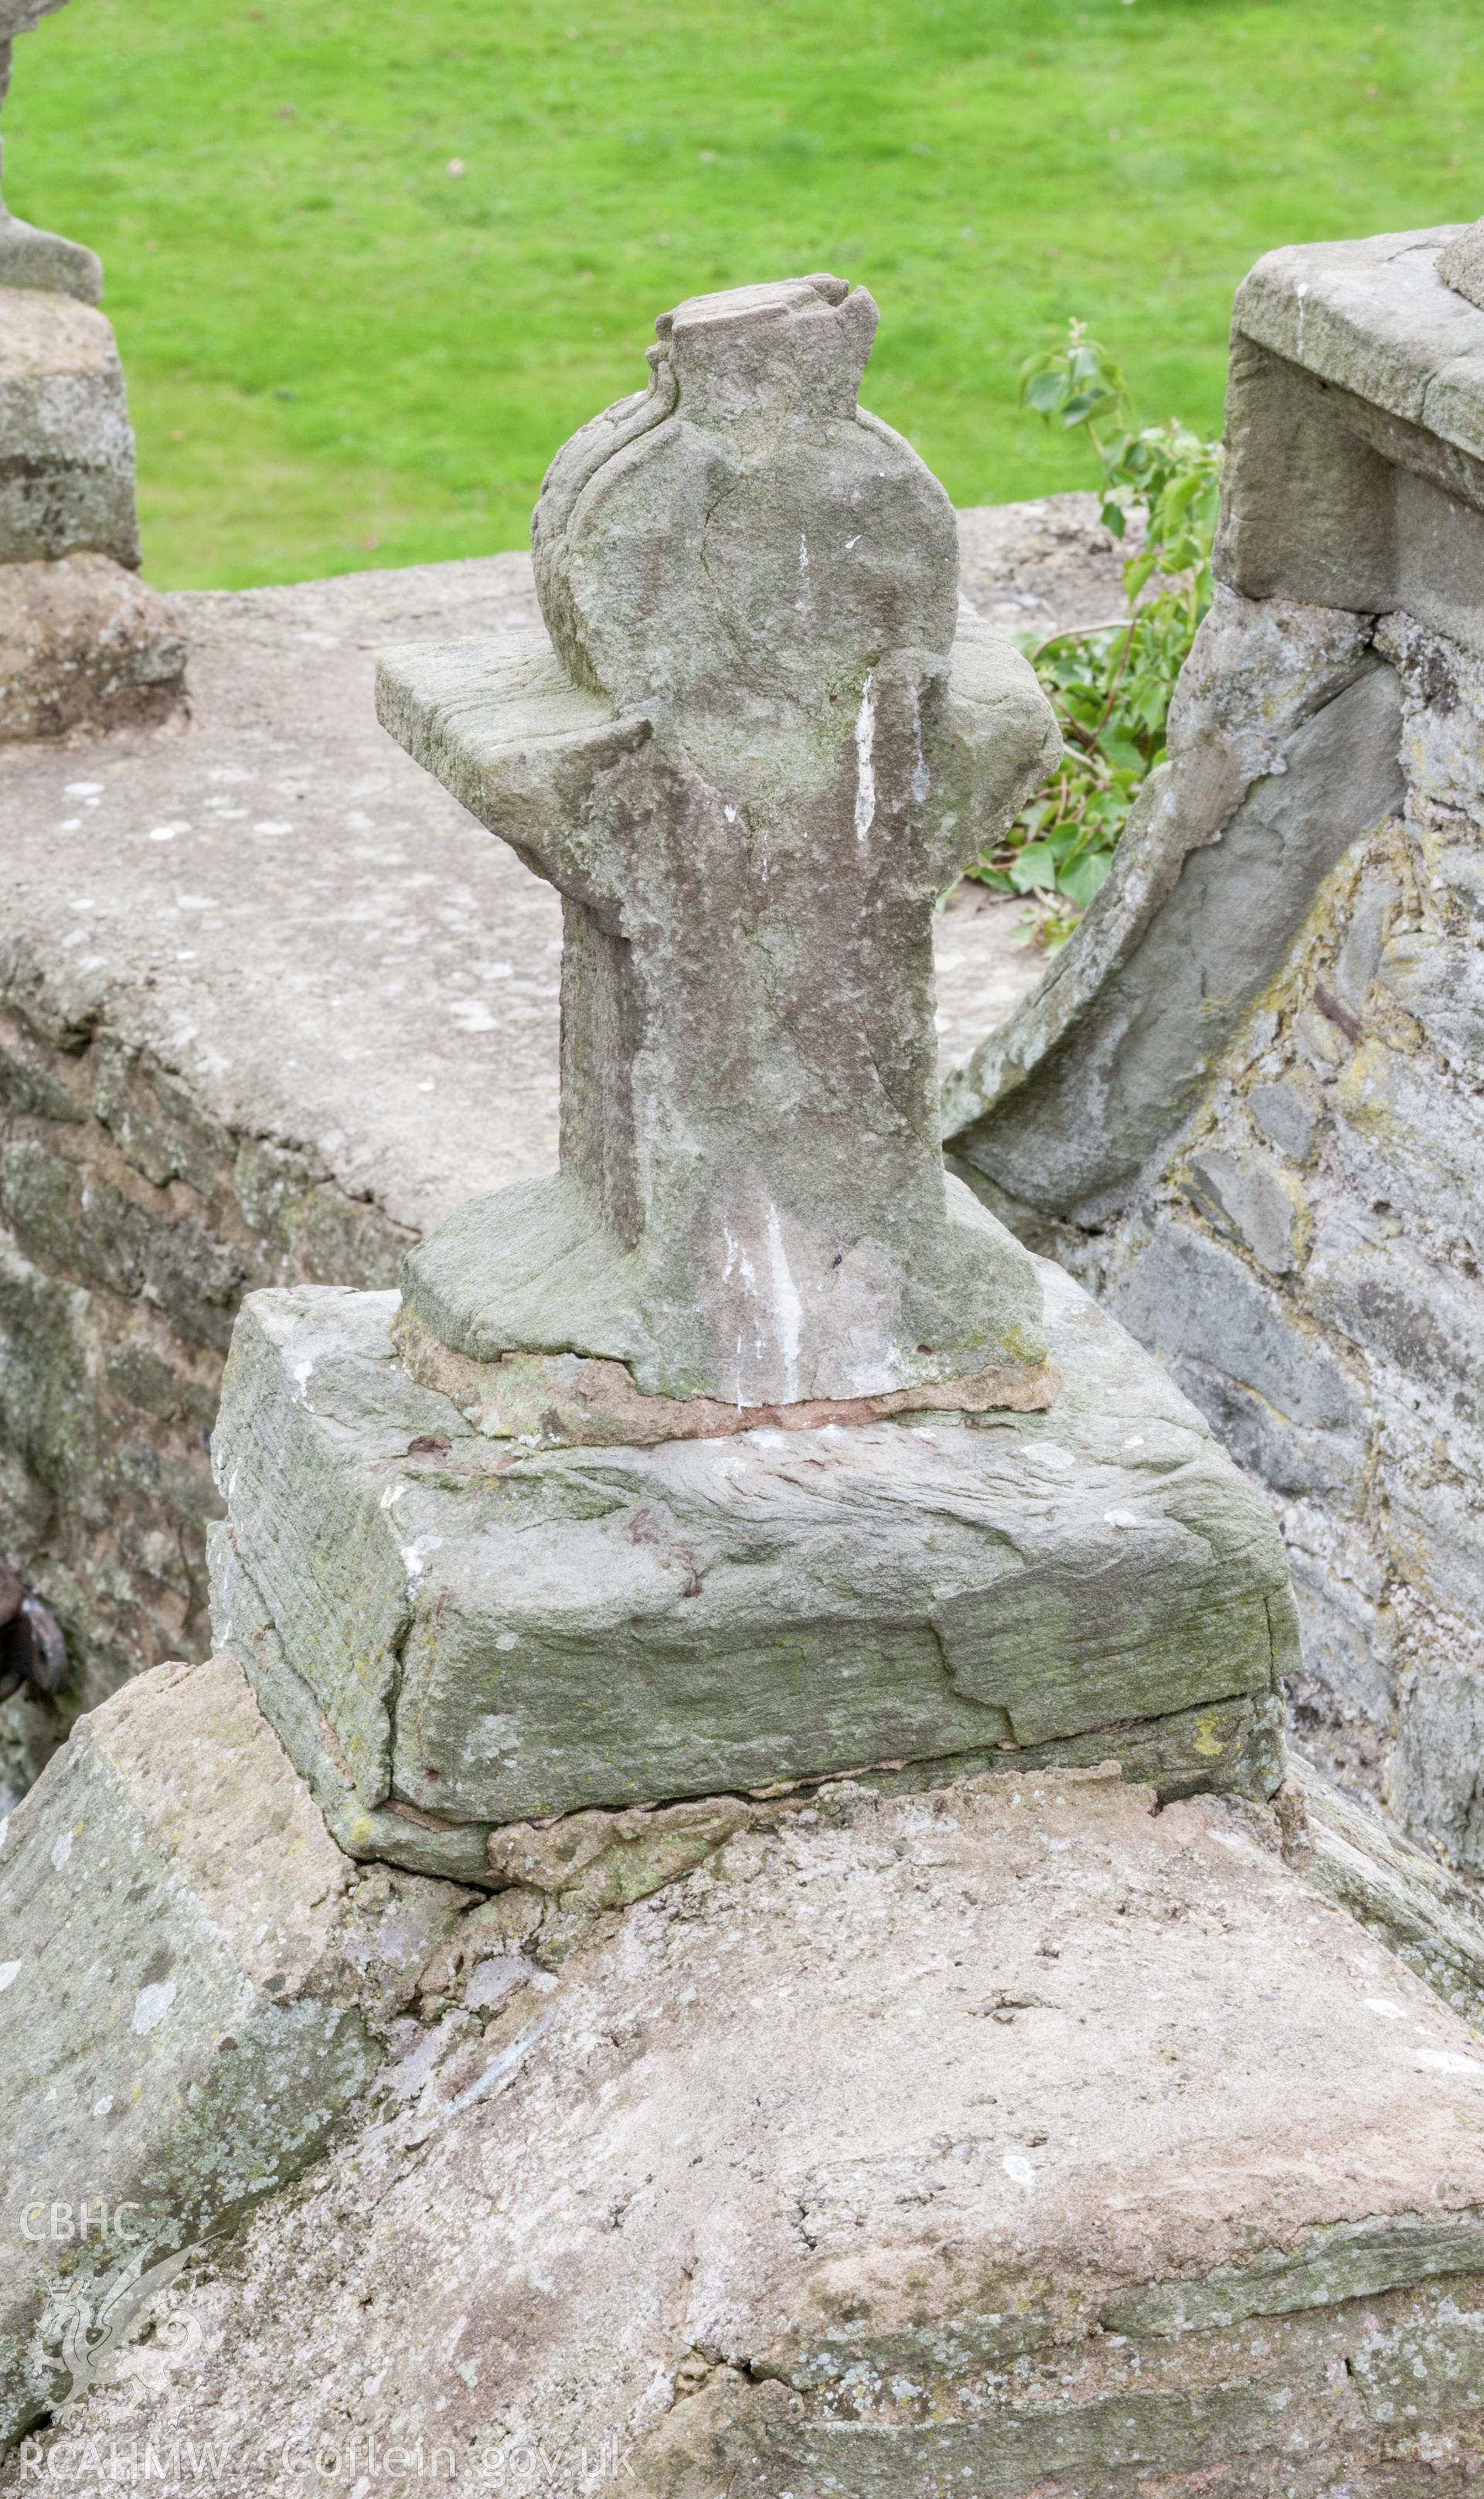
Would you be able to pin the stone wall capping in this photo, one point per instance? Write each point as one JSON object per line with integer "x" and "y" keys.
{"x": 978, "y": 2137}
{"x": 1376, "y": 319}
{"x": 1355, "y": 433}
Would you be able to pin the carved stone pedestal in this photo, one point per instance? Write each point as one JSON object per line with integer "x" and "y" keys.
{"x": 66, "y": 446}
{"x": 748, "y": 1448}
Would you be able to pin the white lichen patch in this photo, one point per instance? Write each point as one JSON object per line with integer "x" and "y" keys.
{"x": 865, "y": 768}
{"x": 151, "y": 2004}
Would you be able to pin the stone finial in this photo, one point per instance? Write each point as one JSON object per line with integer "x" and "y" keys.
{"x": 756, "y": 741}
{"x": 28, "y": 255}
{"x": 1461, "y": 264}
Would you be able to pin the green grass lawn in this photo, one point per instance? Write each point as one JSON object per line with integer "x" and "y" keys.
{"x": 343, "y": 350}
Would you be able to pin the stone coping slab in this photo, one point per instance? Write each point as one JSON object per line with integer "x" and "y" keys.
{"x": 1019, "y": 2139}
{"x": 1354, "y": 474}
{"x": 1375, "y": 318}
{"x": 453, "y": 1633}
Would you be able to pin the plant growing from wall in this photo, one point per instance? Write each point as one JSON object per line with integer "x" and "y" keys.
{"x": 1111, "y": 684}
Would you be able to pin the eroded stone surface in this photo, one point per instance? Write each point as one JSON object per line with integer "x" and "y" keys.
{"x": 755, "y": 742}
{"x": 1016, "y": 2139}
{"x": 197, "y": 1986}
{"x": 451, "y": 1633}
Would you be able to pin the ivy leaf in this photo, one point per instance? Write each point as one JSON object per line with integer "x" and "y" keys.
{"x": 1111, "y": 687}
{"x": 1044, "y": 392}
{"x": 1035, "y": 865}
{"x": 1086, "y": 877}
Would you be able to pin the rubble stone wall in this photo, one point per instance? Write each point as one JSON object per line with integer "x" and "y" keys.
{"x": 131, "y": 1223}
{"x": 1308, "y": 1265}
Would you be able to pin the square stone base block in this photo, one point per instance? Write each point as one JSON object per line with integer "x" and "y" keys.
{"x": 452, "y": 1635}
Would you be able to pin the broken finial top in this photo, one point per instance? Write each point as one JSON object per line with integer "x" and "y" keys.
{"x": 799, "y": 347}
{"x": 742, "y": 534}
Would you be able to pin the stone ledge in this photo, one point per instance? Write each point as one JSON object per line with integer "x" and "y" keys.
{"x": 1011, "y": 2138}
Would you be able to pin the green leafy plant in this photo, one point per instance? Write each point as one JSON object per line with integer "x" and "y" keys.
{"x": 1111, "y": 684}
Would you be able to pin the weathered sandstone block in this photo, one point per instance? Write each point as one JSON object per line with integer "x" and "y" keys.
{"x": 197, "y": 1985}
{"x": 85, "y": 645}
